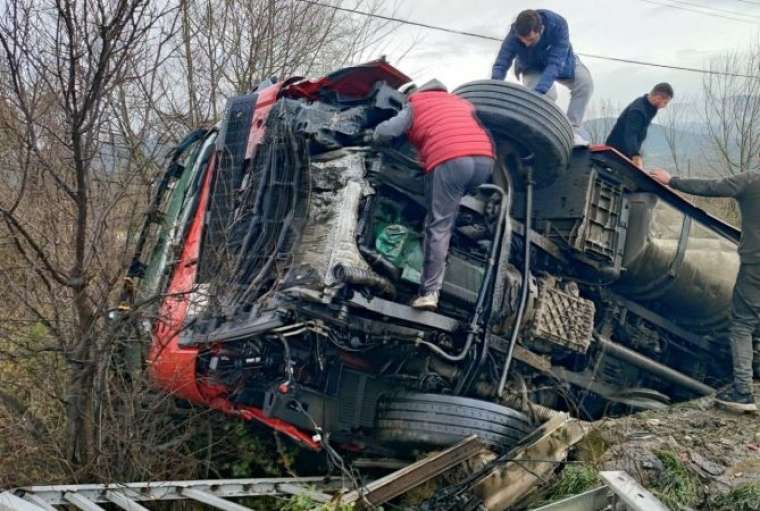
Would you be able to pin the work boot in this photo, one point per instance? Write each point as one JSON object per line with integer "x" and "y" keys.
{"x": 734, "y": 401}
{"x": 427, "y": 302}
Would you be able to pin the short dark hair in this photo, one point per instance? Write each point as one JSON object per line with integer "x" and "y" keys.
{"x": 662, "y": 89}
{"x": 527, "y": 21}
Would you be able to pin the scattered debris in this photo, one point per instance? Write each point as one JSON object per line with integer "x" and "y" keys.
{"x": 526, "y": 466}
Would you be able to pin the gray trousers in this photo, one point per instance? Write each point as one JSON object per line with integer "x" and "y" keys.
{"x": 444, "y": 188}
{"x": 581, "y": 87}
{"x": 745, "y": 319}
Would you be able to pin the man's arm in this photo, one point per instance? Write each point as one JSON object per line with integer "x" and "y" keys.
{"x": 557, "y": 56}
{"x": 731, "y": 186}
{"x": 504, "y": 58}
{"x": 393, "y": 127}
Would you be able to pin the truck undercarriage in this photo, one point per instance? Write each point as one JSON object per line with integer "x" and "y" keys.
{"x": 286, "y": 252}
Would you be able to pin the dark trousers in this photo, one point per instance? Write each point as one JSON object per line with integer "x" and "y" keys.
{"x": 444, "y": 188}
{"x": 745, "y": 320}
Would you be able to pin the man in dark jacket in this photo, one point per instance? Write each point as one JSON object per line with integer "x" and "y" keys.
{"x": 745, "y": 305}
{"x": 631, "y": 127}
{"x": 457, "y": 156}
{"x": 540, "y": 41}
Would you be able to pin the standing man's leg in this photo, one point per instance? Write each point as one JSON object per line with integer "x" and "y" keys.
{"x": 531, "y": 78}
{"x": 581, "y": 88}
{"x": 745, "y": 308}
{"x": 446, "y": 185}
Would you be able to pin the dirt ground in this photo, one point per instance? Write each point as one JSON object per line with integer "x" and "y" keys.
{"x": 693, "y": 452}
{"x": 722, "y": 447}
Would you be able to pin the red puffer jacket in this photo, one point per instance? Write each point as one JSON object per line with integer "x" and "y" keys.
{"x": 444, "y": 127}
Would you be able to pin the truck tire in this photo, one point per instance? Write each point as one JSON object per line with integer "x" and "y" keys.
{"x": 528, "y": 120}
{"x": 435, "y": 420}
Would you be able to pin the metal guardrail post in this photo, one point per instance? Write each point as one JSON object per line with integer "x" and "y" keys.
{"x": 592, "y": 500}
{"x": 631, "y": 492}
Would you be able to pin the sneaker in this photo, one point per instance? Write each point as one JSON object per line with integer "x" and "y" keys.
{"x": 428, "y": 301}
{"x": 733, "y": 401}
{"x": 579, "y": 140}
{"x": 581, "y": 136}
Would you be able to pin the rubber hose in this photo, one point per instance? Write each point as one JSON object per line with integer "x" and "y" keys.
{"x": 361, "y": 277}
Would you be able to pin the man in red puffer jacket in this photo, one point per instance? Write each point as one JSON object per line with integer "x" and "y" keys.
{"x": 457, "y": 156}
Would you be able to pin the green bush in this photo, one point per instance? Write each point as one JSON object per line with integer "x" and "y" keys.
{"x": 742, "y": 498}
{"x": 574, "y": 479}
{"x": 676, "y": 485}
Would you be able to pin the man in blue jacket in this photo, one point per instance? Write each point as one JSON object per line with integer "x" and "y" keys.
{"x": 540, "y": 41}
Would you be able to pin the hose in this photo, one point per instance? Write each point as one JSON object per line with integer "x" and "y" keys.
{"x": 352, "y": 275}
{"x": 485, "y": 287}
{"x": 525, "y": 276}
{"x": 380, "y": 263}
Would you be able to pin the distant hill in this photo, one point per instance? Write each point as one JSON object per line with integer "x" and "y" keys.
{"x": 691, "y": 141}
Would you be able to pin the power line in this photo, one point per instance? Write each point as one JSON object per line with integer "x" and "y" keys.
{"x": 712, "y": 10}
{"x": 750, "y": 2}
{"x": 688, "y": 9}
{"x": 499, "y": 39}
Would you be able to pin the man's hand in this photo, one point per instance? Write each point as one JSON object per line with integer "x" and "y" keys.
{"x": 638, "y": 161}
{"x": 661, "y": 176}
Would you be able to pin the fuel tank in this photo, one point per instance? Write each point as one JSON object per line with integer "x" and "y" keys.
{"x": 676, "y": 266}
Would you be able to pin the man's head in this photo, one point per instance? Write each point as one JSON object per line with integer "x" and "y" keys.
{"x": 661, "y": 95}
{"x": 408, "y": 89}
{"x": 528, "y": 27}
{"x": 432, "y": 85}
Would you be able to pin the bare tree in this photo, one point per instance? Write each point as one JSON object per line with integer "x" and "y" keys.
{"x": 731, "y": 109}
{"x": 69, "y": 187}
{"x": 91, "y": 95}
{"x": 602, "y": 117}
{"x": 229, "y": 47}
{"x": 674, "y": 120}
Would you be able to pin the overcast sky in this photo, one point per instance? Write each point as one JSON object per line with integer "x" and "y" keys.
{"x": 631, "y": 29}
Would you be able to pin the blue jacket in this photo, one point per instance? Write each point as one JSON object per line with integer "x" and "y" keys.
{"x": 552, "y": 54}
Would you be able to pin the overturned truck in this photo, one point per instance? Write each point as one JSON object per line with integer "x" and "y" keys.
{"x": 285, "y": 252}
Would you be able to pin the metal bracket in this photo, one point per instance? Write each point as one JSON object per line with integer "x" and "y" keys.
{"x": 631, "y": 492}
{"x": 405, "y": 313}
{"x": 641, "y": 311}
{"x": 659, "y": 285}
{"x": 593, "y": 500}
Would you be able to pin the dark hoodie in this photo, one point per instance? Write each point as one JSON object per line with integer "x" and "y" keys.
{"x": 631, "y": 127}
